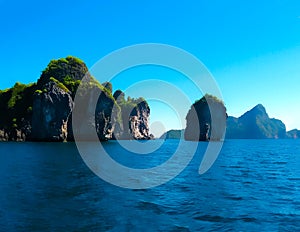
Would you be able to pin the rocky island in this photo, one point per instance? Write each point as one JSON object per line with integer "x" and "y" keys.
{"x": 201, "y": 124}
{"x": 254, "y": 124}
{"x": 42, "y": 111}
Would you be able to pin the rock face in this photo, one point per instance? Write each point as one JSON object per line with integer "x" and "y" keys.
{"x": 106, "y": 117}
{"x": 43, "y": 111}
{"x": 135, "y": 118}
{"x": 94, "y": 113}
{"x": 51, "y": 113}
{"x": 255, "y": 124}
{"x": 201, "y": 124}
{"x": 139, "y": 121}
{"x": 16, "y": 112}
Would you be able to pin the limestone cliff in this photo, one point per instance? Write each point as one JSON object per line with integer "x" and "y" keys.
{"x": 135, "y": 118}
{"x": 51, "y": 112}
{"x": 43, "y": 111}
{"x": 139, "y": 121}
{"x": 201, "y": 124}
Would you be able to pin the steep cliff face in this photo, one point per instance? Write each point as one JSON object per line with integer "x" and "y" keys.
{"x": 201, "y": 125}
{"x": 255, "y": 124}
{"x": 51, "y": 112}
{"x": 135, "y": 118}
{"x": 107, "y": 115}
{"x": 94, "y": 113}
{"x": 67, "y": 74}
{"x": 139, "y": 121}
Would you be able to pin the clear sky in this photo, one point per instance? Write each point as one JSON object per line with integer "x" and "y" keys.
{"x": 252, "y": 48}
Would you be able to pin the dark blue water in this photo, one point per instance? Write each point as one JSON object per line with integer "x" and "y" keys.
{"x": 254, "y": 185}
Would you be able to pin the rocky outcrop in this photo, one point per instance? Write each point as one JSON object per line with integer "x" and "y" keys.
{"x": 139, "y": 121}
{"x": 206, "y": 120}
{"x": 135, "y": 118}
{"x": 69, "y": 71}
{"x": 106, "y": 116}
{"x": 94, "y": 113}
{"x": 51, "y": 112}
{"x": 43, "y": 111}
{"x": 255, "y": 124}
{"x": 293, "y": 134}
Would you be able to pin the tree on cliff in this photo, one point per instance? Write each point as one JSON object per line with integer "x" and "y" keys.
{"x": 206, "y": 120}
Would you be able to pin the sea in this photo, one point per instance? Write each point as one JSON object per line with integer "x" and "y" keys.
{"x": 254, "y": 185}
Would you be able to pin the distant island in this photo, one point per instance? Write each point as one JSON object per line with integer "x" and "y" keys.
{"x": 254, "y": 124}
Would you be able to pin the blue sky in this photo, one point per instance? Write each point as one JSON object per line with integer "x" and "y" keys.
{"x": 252, "y": 48}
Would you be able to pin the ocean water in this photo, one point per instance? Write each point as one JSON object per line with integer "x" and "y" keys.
{"x": 253, "y": 185}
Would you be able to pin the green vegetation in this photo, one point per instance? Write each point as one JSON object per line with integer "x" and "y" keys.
{"x": 16, "y": 93}
{"x": 208, "y": 97}
{"x": 14, "y": 123}
{"x": 59, "y": 84}
{"x": 71, "y": 84}
{"x": 16, "y": 105}
{"x": 29, "y": 109}
{"x": 67, "y": 69}
{"x": 129, "y": 107}
{"x": 68, "y": 73}
{"x": 73, "y": 59}
{"x": 131, "y": 103}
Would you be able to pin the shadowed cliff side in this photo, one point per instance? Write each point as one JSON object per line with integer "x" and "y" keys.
{"x": 16, "y": 112}
{"x": 206, "y": 120}
{"x": 51, "y": 112}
